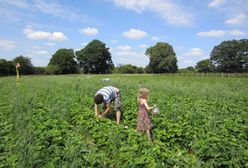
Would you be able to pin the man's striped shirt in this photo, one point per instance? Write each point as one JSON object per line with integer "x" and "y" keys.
{"x": 108, "y": 92}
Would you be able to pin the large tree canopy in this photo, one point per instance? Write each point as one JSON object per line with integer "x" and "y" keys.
{"x": 95, "y": 58}
{"x": 62, "y": 62}
{"x": 162, "y": 58}
{"x": 26, "y": 66}
{"x": 231, "y": 56}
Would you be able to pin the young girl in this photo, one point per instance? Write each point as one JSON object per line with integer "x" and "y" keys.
{"x": 144, "y": 121}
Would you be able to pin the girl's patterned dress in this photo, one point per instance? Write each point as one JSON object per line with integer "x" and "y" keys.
{"x": 144, "y": 121}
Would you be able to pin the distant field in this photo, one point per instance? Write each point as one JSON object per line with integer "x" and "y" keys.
{"x": 47, "y": 121}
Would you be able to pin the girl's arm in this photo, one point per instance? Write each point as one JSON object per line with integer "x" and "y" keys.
{"x": 146, "y": 105}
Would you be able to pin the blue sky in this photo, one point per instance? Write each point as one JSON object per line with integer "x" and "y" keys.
{"x": 38, "y": 28}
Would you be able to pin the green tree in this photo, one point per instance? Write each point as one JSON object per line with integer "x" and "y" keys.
{"x": 39, "y": 70}
{"x": 230, "y": 56}
{"x": 162, "y": 58}
{"x": 63, "y": 62}
{"x": 128, "y": 69}
{"x": 95, "y": 58}
{"x": 53, "y": 69}
{"x": 189, "y": 69}
{"x": 204, "y": 66}
{"x": 26, "y": 66}
{"x": 6, "y": 68}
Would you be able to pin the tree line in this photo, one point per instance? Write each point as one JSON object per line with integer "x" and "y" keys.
{"x": 95, "y": 58}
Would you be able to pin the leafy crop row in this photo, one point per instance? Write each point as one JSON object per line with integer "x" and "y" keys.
{"x": 48, "y": 122}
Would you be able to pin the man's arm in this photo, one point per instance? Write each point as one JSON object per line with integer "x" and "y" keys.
{"x": 96, "y": 110}
{"x": 106, "y": 110}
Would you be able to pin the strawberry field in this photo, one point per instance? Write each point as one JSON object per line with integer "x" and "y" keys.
{"x": 47, "y": 121}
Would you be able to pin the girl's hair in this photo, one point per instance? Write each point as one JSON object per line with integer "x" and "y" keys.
{"x": 143, "y": 94}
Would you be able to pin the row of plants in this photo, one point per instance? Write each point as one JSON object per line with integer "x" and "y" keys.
{"x": 48, "y": 122}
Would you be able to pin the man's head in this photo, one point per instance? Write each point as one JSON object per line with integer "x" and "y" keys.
{"x": 98, "y": 99}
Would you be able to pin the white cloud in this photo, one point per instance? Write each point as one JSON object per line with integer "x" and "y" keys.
{"x": 187, "y": 63}
{"x": 179, "y": 58}
{"x": 114, "y": 41}
{"x": 171, "y": 12}
{"x": 38, "y": 35}
{"x": 216, "y": 3}
{"x": 193, "y": 52}
{"x": 191, "y": 57}
{"x": 131, "y": 57}
{"x": 9, "y": 15}
{"x": 39, "y": 56}
{"x": 40, "y": 62}
{"x": 90, "y": 31}
{"x": 124, "y": 54}
{"x": 212, "y": 33}
{"x": 221, "y": 33}
{"x": 76, "y": 49}
{"x": 85, "y": 44}
{"x": 235, "y": 33}
{"x": 50, "y": 44}
{"x": 143, "y": 46}
{"x": 59, "y": 11}
{"x": 41, "y": 52}
{"x": 154, "y": 38}
{"x": 234, "y": 10}
{"x": 134, "y": 34}
{"x": 136, "y": 5}
{"x": 134, "y": 58}
{"x": 236, "y": 20}
{"x": 124, "y": 48}
{"x": 33, "y": 53}
{"x": 7, "y": 45}
{"x": 111, "y": 49}
{"x": 18, "y": 3}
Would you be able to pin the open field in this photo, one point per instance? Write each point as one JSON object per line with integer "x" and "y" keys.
{"x": 47, "y": 121}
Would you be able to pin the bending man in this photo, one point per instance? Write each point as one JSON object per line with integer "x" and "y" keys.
{"x": 106, "y": 95}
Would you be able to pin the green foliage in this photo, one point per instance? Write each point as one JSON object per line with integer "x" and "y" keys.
{"x": 162, "y": 58}
{"x": 62, "y": 62}
{"x": 187, "y": 70}
{"x": 26, "y": 66}
{"x": 39, "y": 70}
{"x": 47, "y": 122}
{"x": 231, "y": 56}
{"x": 95, "y": 58}
{"x": 53, "y": 69}
{"x": 190, "y": 68}
{"x": 6, "y": 68}
{"x": 204, "y": 66}
{"x": 128, "y": 69}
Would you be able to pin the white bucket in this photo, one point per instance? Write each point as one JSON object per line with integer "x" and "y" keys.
{"x": 155, "y": 110}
